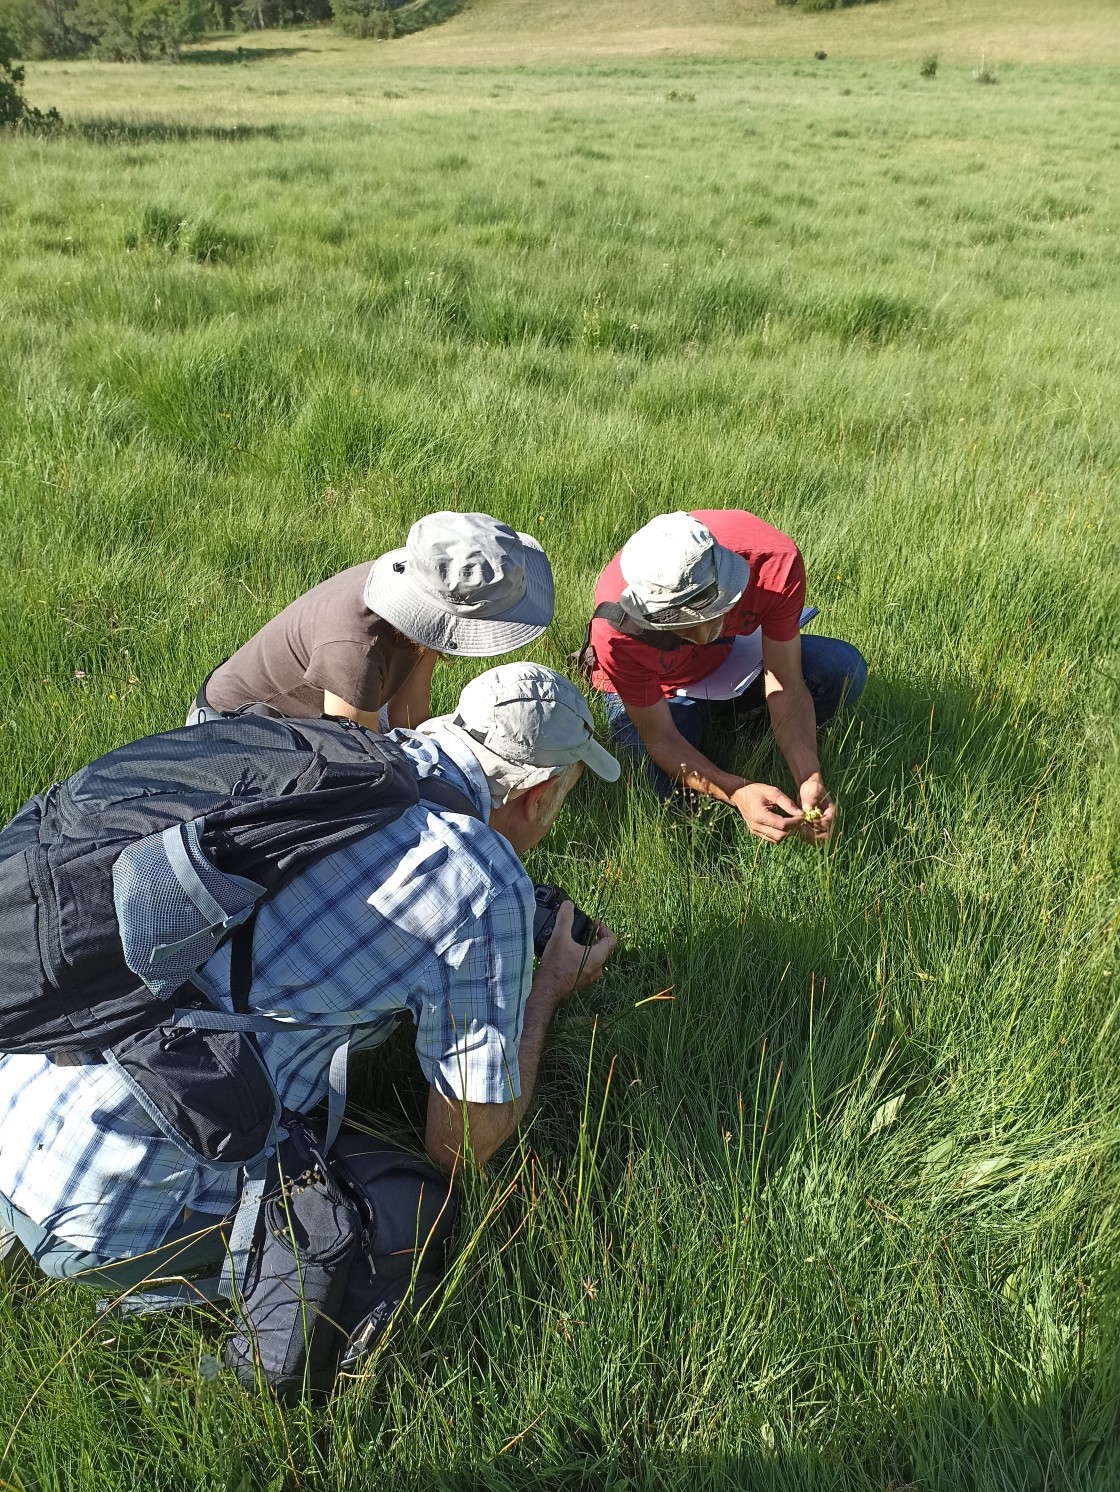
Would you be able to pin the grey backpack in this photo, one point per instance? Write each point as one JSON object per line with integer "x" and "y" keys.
{"x": 115, "y": 887}
{"x": 118, "y": 884}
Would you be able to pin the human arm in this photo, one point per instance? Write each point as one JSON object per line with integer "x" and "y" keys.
{"x": 794, "y": 722}
{"x": 334, "y": 704}
{"x": 411, "y": 705}
{"x": 766, "y": 810}
{"x": 352, "y": 673}
{"x": 565, "y": 967}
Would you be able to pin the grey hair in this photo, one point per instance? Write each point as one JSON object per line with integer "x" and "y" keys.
{"x": 565, "y": 778}
{"x": 506, "y": 783}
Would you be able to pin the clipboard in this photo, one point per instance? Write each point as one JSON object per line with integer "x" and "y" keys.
{"x": 739, "y": 669}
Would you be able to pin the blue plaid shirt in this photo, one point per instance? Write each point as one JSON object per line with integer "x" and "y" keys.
{"x": 431, "y": 916}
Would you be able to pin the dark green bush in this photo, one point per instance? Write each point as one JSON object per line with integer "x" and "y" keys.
{"x": 384, "y": 19}
{"x": 136, "y": 30}
{"x": 267, "y": 14}
{"x": 14, "y": 108}
{"x": 18, "y": 26}
{"x": 126, "y": 30}
{"x": 811, "y": 5}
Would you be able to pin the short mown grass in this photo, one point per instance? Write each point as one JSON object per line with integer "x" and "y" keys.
{"x": 837, "y": 1209}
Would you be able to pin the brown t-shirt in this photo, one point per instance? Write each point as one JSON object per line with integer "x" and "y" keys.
{"x": 328, "y": 639}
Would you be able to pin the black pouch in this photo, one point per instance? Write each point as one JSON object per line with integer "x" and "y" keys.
{"x": 374, "y": 1303}
{"x": 307, "y": 1237}
{"x": 208, "y": 1091}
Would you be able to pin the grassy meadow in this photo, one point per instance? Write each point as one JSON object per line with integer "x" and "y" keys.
{"x": 838, "y": 1208}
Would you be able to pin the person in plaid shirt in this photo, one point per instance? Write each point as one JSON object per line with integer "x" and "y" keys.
{"x": 430, "y": 917}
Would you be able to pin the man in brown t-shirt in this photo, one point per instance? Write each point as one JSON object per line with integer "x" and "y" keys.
{"x": 371, "y": 636}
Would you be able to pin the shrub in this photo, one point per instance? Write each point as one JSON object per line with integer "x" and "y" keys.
{"x": 14, "y": 108}
{"x": 928, "y": 68}
{"x": 812, "y": 5}
{"x": 985, "y": 74}
{"x": 135, "y": 30}
{"x": 12, "y": 103}
{"x": 266, "y": 14}
{"x": 384, "y": 19}
{"x": 19, "y": 25}
{"x": 44, "y": 28}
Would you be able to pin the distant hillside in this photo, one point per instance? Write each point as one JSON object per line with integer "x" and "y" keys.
{"x": 494, "y": 31}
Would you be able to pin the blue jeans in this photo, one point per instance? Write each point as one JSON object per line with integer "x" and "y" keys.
{"x": 196, "y": 1243}
{"x": 834, "y": 672}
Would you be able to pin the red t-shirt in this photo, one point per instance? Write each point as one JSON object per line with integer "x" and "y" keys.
{"x": 641, "y": 675}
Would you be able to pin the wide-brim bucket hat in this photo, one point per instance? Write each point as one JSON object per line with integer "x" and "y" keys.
{"x": 464, "y": 584}
{"x": 678, "y": 575}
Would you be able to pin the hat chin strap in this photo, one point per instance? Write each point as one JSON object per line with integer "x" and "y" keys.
{"x": 663, "y": 639}
{"x": 636, "y": 612}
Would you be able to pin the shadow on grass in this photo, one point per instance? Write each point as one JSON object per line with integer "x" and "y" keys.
{"x": 223, "y": 57}
{"x": 387, "y": 1088}
{"x": 903, "y": 729}
{"x": 916, "y": 766}
{"x": 159, "y": 131}
{"x": 943, "y": 1441}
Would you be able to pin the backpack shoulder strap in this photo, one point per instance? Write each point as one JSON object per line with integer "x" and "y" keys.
{"x": 443, "y": 795}
{"x": 432, "y": 790}
{"x": 241, "y": 964}
{"x": 612, "y": 613}
{"x": 660, "y": 638}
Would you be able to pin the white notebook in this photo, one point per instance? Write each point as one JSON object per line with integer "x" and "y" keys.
{"x": 739, "y": 669}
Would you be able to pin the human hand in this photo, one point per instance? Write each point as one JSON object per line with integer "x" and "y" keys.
{"x": 766, "y": 811}
{"x": 818, "y": 810}
{"x": 568, "y": 965}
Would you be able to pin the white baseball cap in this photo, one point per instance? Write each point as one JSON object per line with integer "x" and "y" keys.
{"x": 466, "y": 584}
{"x": 677, "y": 575}
{"x": 525, "y": 723}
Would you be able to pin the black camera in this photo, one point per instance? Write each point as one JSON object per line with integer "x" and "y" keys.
{"x": 549, "y": 901}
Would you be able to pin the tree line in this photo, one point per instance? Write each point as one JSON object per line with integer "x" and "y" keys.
{"x": 142, "y": 30}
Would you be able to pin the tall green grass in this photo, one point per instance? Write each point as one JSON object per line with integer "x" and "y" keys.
{"x": 838, "y": 1209}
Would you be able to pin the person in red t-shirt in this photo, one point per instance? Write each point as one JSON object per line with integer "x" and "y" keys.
{"x": 681, "y": 590}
